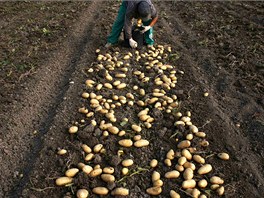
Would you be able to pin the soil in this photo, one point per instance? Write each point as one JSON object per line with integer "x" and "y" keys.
{"x": 217, "y": 45}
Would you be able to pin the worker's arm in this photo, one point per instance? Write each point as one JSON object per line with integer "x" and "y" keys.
{"x": 154, "y": 21}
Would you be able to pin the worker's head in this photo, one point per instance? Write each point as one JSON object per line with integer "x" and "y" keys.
{"x": 144, "y": 10}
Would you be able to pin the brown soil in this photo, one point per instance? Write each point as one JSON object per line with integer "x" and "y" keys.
{"x": 217, "y": 45}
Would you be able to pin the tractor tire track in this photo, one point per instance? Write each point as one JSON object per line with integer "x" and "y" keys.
{"x": 38, "y": 108}
{"x": 245, "y": 158}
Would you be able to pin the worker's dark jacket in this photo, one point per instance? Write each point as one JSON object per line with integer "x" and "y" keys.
{"x": 131, "y": 12}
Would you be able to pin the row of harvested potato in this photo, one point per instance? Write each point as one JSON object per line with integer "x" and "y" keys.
{"x": 159, "y": 100}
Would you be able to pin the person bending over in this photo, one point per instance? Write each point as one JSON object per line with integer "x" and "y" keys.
{"x": 138, "y": 9}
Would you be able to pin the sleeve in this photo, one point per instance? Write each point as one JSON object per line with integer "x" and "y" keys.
{"x": 154, "y": 12}
{"x": 128, "y": 25}
{"x": 130, "y": 13}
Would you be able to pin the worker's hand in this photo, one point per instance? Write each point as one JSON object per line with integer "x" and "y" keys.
{"x": 146, "y": 28}
{"x": 132, "y": 43}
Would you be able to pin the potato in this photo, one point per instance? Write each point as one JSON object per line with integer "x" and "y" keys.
{"x": 86, "y": 148}
{"x": 85, "y": 95}
{"x": 120, "y": 75}
{"x": 136, "y": 128}
{"x": 182, "y": 160}
{"x": 189, "y": 136}
{"x": 152, "y": 100}
{"x": 147, "y": 125}
{"x": 158, "y": 94}
{"x": 71, "y": 172}
{"x": 105, "y": 133}
{"x": 158, "y": 183}
{"x": 215, "y": 180}
{"x": 202, "y": 183}
{"x": 121, "y": 86}
{"x": 188, "y": 174}
{"x": 150, "y": 120}
{"x": 157, "y": 105}
{"x": 186, "y": 119}
{"x": 174, "y": 194}
{"x": 125, "y": 142}
{"x": 206, "y": 94}
{"x": 220, "y": 191}
{"x": 62, "y": 181}
{"x": 89, "y": 157}
{"x": 124, "y": 171}
{"x": 153, "y": 163}
{"x": 137, "y": 137}
{"x": 223, "y": 156}
{"x": 73, "y": 129}
{"x": 121, "y": 133}
{"x": 108, "y": 170}
{"x": 179, "y": 168}
{"x": 126, "y": 57}
{"x": 179, "y": 123}
{"x": 89, "y": 82}
{"x": 140, "y": 103}
{"x": 144, "y": 117}
{"x": 82, "y": 193}
{"x": 199, "y": 159}
{"x": 188, "y": 184}
{"x": 200, "y": 134}
{"x": 155, "y": 176}
{"x": 108, "y": 178}
{"x": 113, "y": 130}
{"x": 108, "y": 85}
{"x": 214, "y": 186}
{"x": 186, "y": 153}
{"x": 93, "y": 122}
{"x": 96, "y": 172}
{"x": 172, "y": 174}
{"x": 142, "y": 92}
{"x": 154, "y": 190}
{"x": 97, "y": 148}
{"x": 167, "y": 162}
{"x": 141, "y": 143}
{"x": 90, "y": 114}
{"x": 184, "y": 144}
{"x": 100, "y": 190}
{"x": 127, "y": 162}
{"x": 87, "y": 169}
{"x": 204, "y": 143}
{"x": 97, "y": 166}
{"x": 170, "y": 154}
{"x": 203, "y": 196}
{"x": 178, "y": 114}
{"x": 120, "y": 191}
{"x": 193, "y": 129}
{"x": 62, "y": 152}
{"x": 205, "y": 169}
{"x": 189, "y": 165}
{"x": 195, "y": 193}
{"x": 83, "y": 110}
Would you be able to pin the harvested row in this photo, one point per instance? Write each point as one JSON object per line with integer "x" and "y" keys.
{"x": 106, "y": 96}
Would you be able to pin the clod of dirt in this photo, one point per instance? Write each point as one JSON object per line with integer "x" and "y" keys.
{"x": 97, "y": 132}
{"x": 97, "y": 159}
{"x": 115, "y": 160}
{"x": 92, "y": 141}
{"x": 101, "y": 73}
{"x": 162, "y": 132}
{"x": 156, "y": 113}
{"x": 89, "y": 129}
{"x": 111, "y": 185}
{"x": 82, "y": 178}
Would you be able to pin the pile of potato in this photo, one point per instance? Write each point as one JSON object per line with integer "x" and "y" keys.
{"x": 113, "y": 91}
